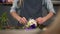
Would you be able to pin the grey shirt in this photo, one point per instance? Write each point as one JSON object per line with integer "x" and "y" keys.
{"x": 45, "y": 3}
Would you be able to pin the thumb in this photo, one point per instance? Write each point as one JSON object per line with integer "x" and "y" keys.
{"x": 25, "y": 19}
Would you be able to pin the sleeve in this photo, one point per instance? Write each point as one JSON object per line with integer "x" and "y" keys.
{"x": 14, "y": 6}
{"x": 49, "y": 6}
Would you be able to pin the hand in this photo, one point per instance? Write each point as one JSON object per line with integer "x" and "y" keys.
{"x": 41, "y": 20}
{"x": 23, "y": 20}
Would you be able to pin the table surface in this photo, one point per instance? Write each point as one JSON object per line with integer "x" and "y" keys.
{"x": 19, "y": 31}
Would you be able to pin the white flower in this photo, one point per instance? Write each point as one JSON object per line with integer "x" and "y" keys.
{"x": 31, "y": 22}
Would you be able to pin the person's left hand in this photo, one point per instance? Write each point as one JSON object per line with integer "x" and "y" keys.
{"x": 41, "y": 20}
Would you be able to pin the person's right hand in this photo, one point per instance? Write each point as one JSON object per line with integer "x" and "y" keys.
{"x": 23, "y": 20}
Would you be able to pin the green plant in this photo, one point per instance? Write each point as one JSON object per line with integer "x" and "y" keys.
{"x": 3, "y": 20}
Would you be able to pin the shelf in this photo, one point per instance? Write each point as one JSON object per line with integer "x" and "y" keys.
{"x": 56, "y": 2}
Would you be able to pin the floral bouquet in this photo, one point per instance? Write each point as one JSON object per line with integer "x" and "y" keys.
{"x": 31, "y": 24}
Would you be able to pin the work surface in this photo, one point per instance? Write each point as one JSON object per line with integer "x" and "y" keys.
{"x": 19, "y": 31}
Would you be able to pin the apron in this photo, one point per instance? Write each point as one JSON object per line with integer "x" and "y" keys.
{"x": 31, "y": 9}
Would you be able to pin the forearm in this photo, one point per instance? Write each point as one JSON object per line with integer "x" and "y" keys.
{"x": 15, "y": 15}
{"x": 49, "y": 6}
{"x": 49, "y": 15}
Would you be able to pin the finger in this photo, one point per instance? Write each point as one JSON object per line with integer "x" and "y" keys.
{"x": 40, "y": 22}
{"x": 22, "y": 20}
{"x": 25, "y": 19}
